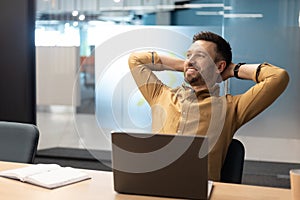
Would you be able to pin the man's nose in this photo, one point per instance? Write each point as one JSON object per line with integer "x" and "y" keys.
{"x": 191, "y": 62}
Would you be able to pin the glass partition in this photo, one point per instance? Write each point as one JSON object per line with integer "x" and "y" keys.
{"x": 103, "y": 96}
{"x": 95, "y": 94}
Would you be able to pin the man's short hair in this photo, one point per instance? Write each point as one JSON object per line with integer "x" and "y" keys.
{"x": 223, "y": 50}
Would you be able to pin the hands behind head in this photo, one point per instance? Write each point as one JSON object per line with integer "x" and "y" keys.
{"x": 227, "y": 73}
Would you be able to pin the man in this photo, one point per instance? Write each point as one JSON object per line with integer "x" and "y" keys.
{"x": 196, "y": 107}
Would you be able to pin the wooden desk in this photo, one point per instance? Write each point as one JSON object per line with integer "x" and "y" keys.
{"x": 100, "y": 187}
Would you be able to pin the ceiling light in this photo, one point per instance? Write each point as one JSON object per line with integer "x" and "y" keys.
{"x": 75, "y": 23}
{"x": 204, "y": 5}
{"x": 81, "y": 17}
{"x": 75, "y": 13}
{"x": 233, "y": 15}
{"x": 299, "y": 19}
{"x": 230, "y": 15}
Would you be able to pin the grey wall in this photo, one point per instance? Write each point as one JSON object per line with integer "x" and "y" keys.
{"x": 17, "y": 66}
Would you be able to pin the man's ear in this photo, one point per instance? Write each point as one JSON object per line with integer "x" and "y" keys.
{"x": 221, "y": 65}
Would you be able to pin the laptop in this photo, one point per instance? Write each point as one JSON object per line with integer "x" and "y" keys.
{"x": 160, "y": 165}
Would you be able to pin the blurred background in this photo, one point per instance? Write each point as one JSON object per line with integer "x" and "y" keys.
{"x": 81, "y": 95}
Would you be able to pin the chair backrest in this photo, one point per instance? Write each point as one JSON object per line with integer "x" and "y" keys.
{"x": 232, "y": 170}
{"x": 18, "y": 142}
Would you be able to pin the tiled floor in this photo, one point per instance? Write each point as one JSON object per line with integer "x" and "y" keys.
{"x": 63, "y": 128}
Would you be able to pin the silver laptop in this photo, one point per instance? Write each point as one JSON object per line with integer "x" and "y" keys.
{"x": 160, "y": 165}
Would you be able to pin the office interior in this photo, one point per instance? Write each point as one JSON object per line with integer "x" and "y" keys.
{"x": 79, "y": 101}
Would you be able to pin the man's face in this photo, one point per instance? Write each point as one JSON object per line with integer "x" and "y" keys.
{"x": 199, "y": 66}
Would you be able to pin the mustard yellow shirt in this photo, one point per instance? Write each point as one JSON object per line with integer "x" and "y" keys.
{"x": 182, "y": 111}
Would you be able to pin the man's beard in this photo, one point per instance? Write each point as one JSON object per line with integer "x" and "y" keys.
{"x": 194, "y": 80}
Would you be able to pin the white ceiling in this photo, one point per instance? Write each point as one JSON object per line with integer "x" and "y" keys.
{"x": 58, "y": 6}
{"x": 96, "y": 9}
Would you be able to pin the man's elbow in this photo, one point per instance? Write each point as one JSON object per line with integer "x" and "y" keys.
{"x": 284, "y": 78}
{"x": 137, "y": 58}
{"x": 280, "y": 81}
{"x": 132, "y": 59}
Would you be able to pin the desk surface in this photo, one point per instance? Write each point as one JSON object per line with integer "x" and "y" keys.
{"x": 101, "y": 187}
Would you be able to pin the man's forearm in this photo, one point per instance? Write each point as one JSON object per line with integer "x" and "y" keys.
{"x": 253, "y": 72}
{"x": 171, "y": 63}
{"x": 160, "y": 62}
{"x": 245, "y": 71}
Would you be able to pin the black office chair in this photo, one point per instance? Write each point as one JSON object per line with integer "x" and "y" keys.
{"x": 232, "y": 170}
{"x": 18, "y": 142}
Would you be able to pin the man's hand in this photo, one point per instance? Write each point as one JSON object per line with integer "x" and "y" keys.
{"x": 228, "y": 72}
{"x": 246, "y": 71}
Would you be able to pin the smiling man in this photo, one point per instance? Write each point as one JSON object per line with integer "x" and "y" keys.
{"x": 195, "y": 108}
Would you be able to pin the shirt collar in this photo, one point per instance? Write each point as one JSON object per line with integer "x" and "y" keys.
{"x": 207, "y": 92}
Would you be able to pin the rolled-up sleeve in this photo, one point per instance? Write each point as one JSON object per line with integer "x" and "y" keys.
{"x": 141, "y": 68}
{"x": 272, "y": 81}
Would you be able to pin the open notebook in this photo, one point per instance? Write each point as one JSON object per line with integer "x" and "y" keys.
{"x": 46, "y": 175}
